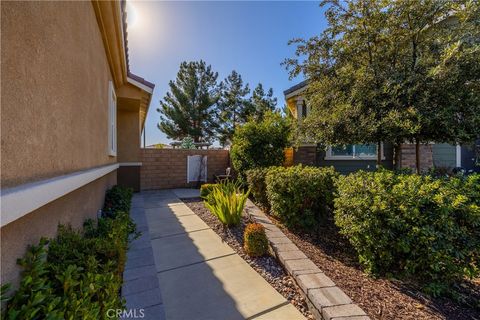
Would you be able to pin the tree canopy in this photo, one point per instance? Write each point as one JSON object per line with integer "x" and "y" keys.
{"x": 189, "y": 108}
{"x": 260, "y": 143}
{"x": 199, "y": 107}
{"x": 392, "y": 71}
{"x": 233, "y": 107}
{"x": 262, "y": 102}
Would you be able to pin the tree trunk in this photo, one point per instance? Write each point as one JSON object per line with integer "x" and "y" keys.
{"x": 397, "y": 148}
{"x": 417, "y": 155}
{"x": 379, "y": 155}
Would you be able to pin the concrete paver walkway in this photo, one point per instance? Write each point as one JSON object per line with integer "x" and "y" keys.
{"x": 199, "y": 276}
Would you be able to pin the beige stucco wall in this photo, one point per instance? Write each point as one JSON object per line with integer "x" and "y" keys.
{"x": 128, "y": 135}
{"x": 54, "y": 86}
{"x": 72, "y": 209}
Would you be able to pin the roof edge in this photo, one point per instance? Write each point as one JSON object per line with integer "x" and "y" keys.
{"x": 297, "y": 87}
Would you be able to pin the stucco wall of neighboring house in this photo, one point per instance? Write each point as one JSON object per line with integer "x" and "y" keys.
{"x": 444, "y": 155}
{"x": 54, "y": 84}
{"x": 128, "y": 134}
{"x": 72, "y": 209}
{"x": 348, "y": 166}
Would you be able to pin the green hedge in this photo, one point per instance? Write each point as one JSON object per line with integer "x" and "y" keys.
{"x": 301, "y": 196}
{"x": 412, "y": 225}
{"x": 78, "y": 274}
{"x": 117, "y": 199}
{"x": 256, "y": 179}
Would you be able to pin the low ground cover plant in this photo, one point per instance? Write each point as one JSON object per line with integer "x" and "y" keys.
{"x": 226, "y": 201}
{"x": 300, "y": 196}
{"x": 77, "y": 274}
{"x": 412, "y": 225}
{"x": 255, "y": 240}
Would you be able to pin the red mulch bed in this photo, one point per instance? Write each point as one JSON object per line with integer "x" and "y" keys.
{"x": 380, "y": 298}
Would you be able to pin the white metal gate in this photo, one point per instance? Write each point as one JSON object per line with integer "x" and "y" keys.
{"x": 197, "y": 168}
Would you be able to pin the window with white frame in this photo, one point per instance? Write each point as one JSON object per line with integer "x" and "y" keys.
{"x": 353, "y": 152}
{"x": 112, "y": 120}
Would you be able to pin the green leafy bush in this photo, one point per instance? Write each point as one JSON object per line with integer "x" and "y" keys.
{"x": 226, "y": 202}
{"x": 255, "y": 240}
{"x": 301, "y": 197}
{"x": 411, "y": 225}
{"x": 257, "y": 184}
{"x": 260, "y": 144}
{"x": 117, "y": 199}
{"x": 206, "y": 188}
{"x": 79, "y": 274}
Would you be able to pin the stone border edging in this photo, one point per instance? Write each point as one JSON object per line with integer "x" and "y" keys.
{"x": 326, "y": 300}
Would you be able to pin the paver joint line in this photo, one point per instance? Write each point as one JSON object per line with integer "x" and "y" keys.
{"x": 308, "y": 290}
{"x": 177, "y": 234}
{"x": 194, "y": 263}
{"x": 205, "y": 272}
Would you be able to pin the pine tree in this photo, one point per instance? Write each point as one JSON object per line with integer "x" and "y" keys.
{"x": 262, "y": 102}
{"x": 233, "y": 107}
{"x": 188, "y": 109}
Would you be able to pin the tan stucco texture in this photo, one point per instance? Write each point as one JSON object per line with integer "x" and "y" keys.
{"x": 128, "y": 136}
{"x": 54, "y": 85}
{"x": 72, "y": 209}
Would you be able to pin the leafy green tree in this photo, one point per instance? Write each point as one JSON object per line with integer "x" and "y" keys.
{"x": 262, "y": 102}
{"x": 189, "y": 108}
{"x": 392, "y": 71}
{"x": 260, "y": 143}
{"x": 233, "y": 107}
{"x": 187, "y": 143}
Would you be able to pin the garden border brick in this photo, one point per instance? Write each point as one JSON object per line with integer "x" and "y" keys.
{"x": 325, "y": 299}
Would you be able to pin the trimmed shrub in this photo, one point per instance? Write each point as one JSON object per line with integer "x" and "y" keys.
{"x": 226, "y": 201}
{"x": 117, "y": 199}
{"x": 255, "y": 240}
{"x": 257, "y": 184}
{"x": 411, "y": 225}
{"x": 260, "y": 144}
{"x": 79, "y": 274}
{"x": 206, "y": 188}
{"x": 301, "y": 197}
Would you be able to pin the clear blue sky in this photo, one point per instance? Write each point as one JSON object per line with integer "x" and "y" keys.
{"x": 249, "y": 37}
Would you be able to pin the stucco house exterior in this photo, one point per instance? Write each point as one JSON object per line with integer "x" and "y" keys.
{"x": 72, "y": 116}
{"x": 350, "y": 158}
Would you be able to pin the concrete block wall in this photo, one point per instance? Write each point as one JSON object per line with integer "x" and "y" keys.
{"x": 167, "y": 168}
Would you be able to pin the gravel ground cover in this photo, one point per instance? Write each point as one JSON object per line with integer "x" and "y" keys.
{"x": 268, "y": 266}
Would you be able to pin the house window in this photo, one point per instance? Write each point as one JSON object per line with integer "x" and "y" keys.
{"x": 112, "y": 120}
{"x": 353, "y": 152}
